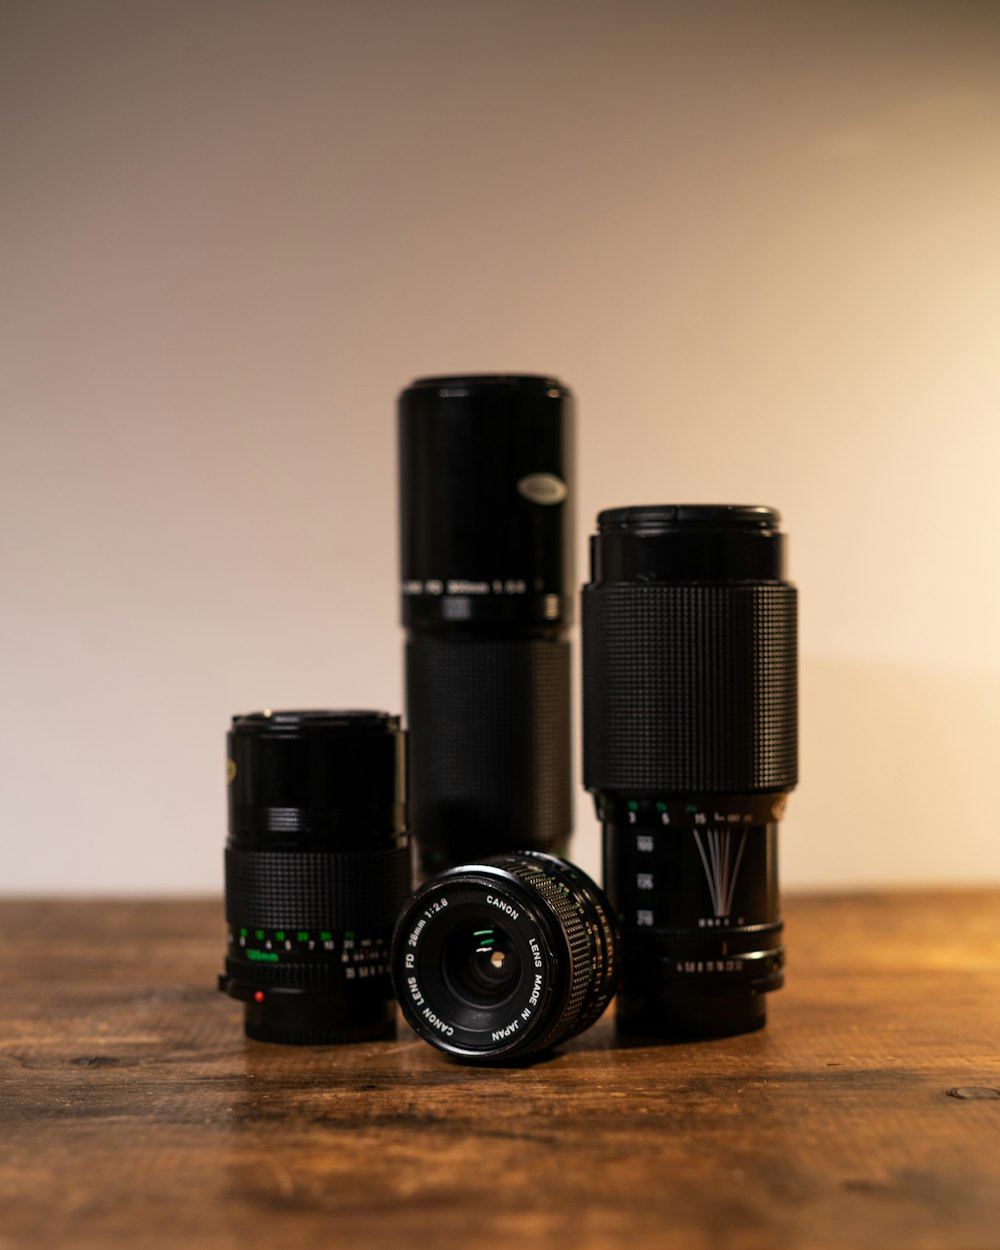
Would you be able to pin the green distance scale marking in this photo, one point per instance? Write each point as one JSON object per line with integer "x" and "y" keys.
{"x": 360, "y": 957}
{"x": 293, "y": 941}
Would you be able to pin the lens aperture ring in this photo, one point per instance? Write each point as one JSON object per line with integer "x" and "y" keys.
{"x": 317, "y": 889}
{"x": 372, "y": 959}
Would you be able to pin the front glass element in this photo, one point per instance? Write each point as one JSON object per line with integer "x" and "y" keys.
{"x": 482, "y": 965}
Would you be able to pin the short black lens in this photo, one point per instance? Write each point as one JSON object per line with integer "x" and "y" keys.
{"x": 317, "y": 869}
{"x": 690, "y": 749}
{"x": 505, "y": 958}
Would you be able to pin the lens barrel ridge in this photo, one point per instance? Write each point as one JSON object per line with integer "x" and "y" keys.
{"x": 528, "y": 911}
{"x": 317, "y": 870}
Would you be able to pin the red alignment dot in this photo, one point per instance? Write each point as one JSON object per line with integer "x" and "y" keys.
{"x": 259, "y": 996}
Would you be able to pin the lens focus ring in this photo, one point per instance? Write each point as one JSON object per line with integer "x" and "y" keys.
{"x": 573, "y": 929}
{"x": 490, "y": 745}
{"x": 313, "y": 889}
{"x": 690, "y": 687}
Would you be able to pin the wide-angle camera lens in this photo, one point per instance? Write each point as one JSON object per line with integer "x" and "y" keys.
{"x": 505, "y": 958}
{"x": 690, "y": 749}
{"x": 485, "y": 475}
{"x": 317, "y": 870}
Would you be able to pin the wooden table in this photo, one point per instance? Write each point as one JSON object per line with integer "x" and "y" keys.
{"x": 866, "y": 1114}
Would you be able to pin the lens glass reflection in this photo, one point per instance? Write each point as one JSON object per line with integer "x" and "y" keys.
{"x": 481, "y": 964}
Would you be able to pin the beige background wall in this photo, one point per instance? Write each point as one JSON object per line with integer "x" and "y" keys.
{"x": 760, "y": 241}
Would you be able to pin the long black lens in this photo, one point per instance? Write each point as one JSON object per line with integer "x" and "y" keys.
{"x": 505, "y": 958}
{"x": 317, "y": 870}
{"x": 690, "y": 748}
{"x": 485, "y": 473}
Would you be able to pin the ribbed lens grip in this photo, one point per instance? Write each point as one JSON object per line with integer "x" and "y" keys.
{"x": 574, "y": 930}
{"x": 489, "y": 744}
{"x": 317, "y": 889}
{"x": 689, "y": 687}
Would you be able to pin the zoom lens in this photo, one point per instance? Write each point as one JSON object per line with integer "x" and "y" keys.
{"x": 690, "y": 748}
{"x": 505, "y": 958}
{"x": 485, "y": 474}
{"x": 317, "y": 870}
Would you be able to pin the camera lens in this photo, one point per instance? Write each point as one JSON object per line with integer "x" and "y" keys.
{"x": 690, "y": 749}
{"x": 485, "y": 474}
{"x": 505, "y": 958}
{"x": 317, "y": 870}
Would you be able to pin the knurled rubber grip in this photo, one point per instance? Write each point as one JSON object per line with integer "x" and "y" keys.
{"x": 317, "y": 889}
{"x": 689, "y": 687}
{"x": 489, "y": 729}
{"x": 574, "y": 929}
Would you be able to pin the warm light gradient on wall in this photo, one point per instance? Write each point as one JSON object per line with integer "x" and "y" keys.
{"x": 760, "y": 241}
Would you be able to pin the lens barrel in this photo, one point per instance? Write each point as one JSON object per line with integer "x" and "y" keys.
{"x": 505, "y": 958}
{"x": 690, "y": 749}
{"x": 317, "y": 870}
{"x": 485, "y": 474}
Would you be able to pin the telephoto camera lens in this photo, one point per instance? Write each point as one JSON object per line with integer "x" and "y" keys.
{"x": 505, "y": 958}
{"x": 317, "y": 870}
{"x": 690, "y": 749}
{"x": 485, "y": 474}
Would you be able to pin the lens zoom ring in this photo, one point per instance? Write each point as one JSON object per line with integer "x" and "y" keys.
{"x": 489, "y": 742}
{"x": 690, "y": 687}
{"x": 573, "y": 927}
{"x": 317, "y": 889}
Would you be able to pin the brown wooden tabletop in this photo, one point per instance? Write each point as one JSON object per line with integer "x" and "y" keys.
{"x": 867, "y": 1113}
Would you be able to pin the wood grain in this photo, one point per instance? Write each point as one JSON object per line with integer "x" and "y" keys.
{"x": 135, "y": 1112}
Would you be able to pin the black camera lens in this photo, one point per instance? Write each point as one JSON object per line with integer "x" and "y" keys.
{"x": 317, "y": 870}
{"x": 485, "y": 475}
{"x": 690, "y": 748}
{"x": 505, "y": 958}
